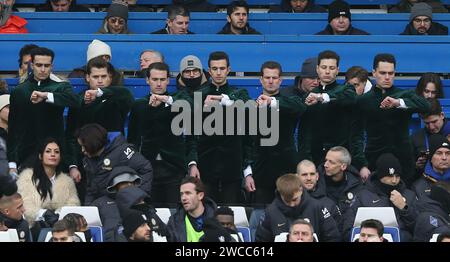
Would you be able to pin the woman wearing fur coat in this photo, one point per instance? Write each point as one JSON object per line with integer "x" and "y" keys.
{"x": 44, "y": 188}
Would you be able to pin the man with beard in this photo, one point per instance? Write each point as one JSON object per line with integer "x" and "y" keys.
{"x": 421, "y": 22}
{"x": 386, "y": 189}
{"x": 237, "y": 17}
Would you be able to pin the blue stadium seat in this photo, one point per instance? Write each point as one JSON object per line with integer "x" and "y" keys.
{"x": 245, "y": 231}
{"x": 97, "y": 233}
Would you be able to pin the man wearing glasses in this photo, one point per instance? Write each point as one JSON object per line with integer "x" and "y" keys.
{"x": 420, "y": 22}
{"x": 116, "y": 20}
{"x": 191, "y": 74}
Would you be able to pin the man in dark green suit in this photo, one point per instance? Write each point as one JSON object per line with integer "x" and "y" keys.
{"x": 150, "y": 131}
{"x": 385, "y": 113}
{"x": 271, "y": 162}
{"x": 36, "y": 110}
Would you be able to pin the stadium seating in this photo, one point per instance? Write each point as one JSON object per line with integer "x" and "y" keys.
{"x": 391, "y": 234}
{"x": 9, "y": 236}
{"x": 412, "y": 53}
{"x": 211, "y": 23}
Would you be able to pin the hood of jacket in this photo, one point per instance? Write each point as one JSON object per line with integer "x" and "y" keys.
{"x": 130, "y": 196}
{"x": 292, "y": 212}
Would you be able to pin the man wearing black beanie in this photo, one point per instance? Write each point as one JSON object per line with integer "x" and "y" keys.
{"x": 339, "y": 20}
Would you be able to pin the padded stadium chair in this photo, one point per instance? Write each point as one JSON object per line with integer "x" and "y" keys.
{"x": 164, "y": 214}
{"x": 245, "y": 233}
{"x": 9, "y": 236}
{"x": 391, "y": 234}
{"x": 240, "y": 216}
{"x": 90, "y": 213}
{"x": 97, "y": 233}
{"x": 385, "y": 215}
{"x": 434, "y": 237}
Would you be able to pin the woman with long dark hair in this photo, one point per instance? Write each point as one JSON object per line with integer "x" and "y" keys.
{"x": 45, "y": 188}
{"x": 430, "y": 86}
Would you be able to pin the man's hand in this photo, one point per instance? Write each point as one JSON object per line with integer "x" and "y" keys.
{"x": 250, "y": 184}
{"x": 421, "y": 161}
{"x": 156, "y": 100}
{"x": 397, "y": 199}
{"x": 37, "y": 97}
{"x": 212, "y": 100}
{"x": 390, "y": 102}
{"x": 75, "y": 174}
{"x": 263, "y": 100}
{"x": 193, "y": 171}
{"x": 364, "y": 173}
{"x": 313, "y": 98}
{"x": 90, "y": 96}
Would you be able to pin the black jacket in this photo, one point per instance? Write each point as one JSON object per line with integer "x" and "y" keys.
{"x": 435, "y": 29}
{"x": 350, "y": 31}
{"x": 177, "y": 226}
{"x": 278, "y": 218}
{"x": 248, "y": 30}
{"x": 373, "y": 196}
{"x": 432, "y": 219}
{"x": 117, "y": 152}
{"x": 165, "y": 31}
{"x": 47, "y": 7}
{"x": 23, "y": 230}
{"x": 285, "y": 7}
{"x": 343, "y": 195}
{"x": 195, "y": 5}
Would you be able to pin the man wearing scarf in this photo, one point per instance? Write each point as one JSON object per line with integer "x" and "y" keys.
{"x": 10, "y": 24}
{"x": 386, "y": 189}
{"x": 436, "y": 168}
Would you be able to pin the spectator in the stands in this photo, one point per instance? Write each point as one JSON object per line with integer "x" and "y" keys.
{"x": 435, "y": 123}
{"x": 297, "y": 6}
{"x": 62, "y": 6}
{"x": 359, "y": 78}
{"x": 146, "y": 58}
{"x": 404, "y": 6}
{"x": 196, "y": 5}
{"x": 421, "y": 22}
{"x": 10, "y": 24}
{"x": 45, "y": 189}
{"x": 116, "y": 20}
{"x": 371, "y": 231}
{"x": 134, "y": 7}
{"x": 340, "y": 20}
{"x": 301, "y": 231}
{"x": 177, "y": 22}
{"x": 3, "y": 87}
{"x": 24, "y": 61}
{"x": 443, "y": 237}
{"x": 191, "y": 75}
{"x": 437, "y": 167}
{"x": 237, "y": 17}
{"x": 95, "y": 49}
{"x": 4, "y": 115}
{"x": 430, "y": 86}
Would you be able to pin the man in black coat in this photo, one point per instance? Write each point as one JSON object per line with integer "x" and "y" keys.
{"x": 290, "y": 204}
{"x": 340, "y": 21}
{"x": 12, "y": 214}
{"x": 177, "y": 22}
{"x": 297, "y": 6}
{"x": 103, "y": 152}
{"x": 421, "y": 22}
{"x": 434, "y": 213}
{"x": 237, "y": 17}
{"x": 386, "y": 189}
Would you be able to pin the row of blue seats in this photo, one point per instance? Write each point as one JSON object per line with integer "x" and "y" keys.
{"x": 226, "y": 2}
{"x": 247, "y": 53}
{"x": 211, "y": 23}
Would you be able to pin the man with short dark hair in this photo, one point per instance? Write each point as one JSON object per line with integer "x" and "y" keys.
{"x": 24, "y": 60}
{"x": 177, "y": 22}
{"x": 385, "y": 112}
{"x": 371, "y": 231}
{"x": 36, "y": 109}
{"x": 62, "y": 232}
{"x": 269, "y": 162}
{"x": 421, "y": 22}
{"x": 359, "y": 78}
{"x": 150, "y": 129}
{"x": 301, "y": 231}
{"x": 237, "y": 20}
{"x": 12, "y": 213}
{"x": 435, "y": 123}
{"x": 297, "y": 6}
{"x": 340, "y": 20}
{"x": 186, "y": 225}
